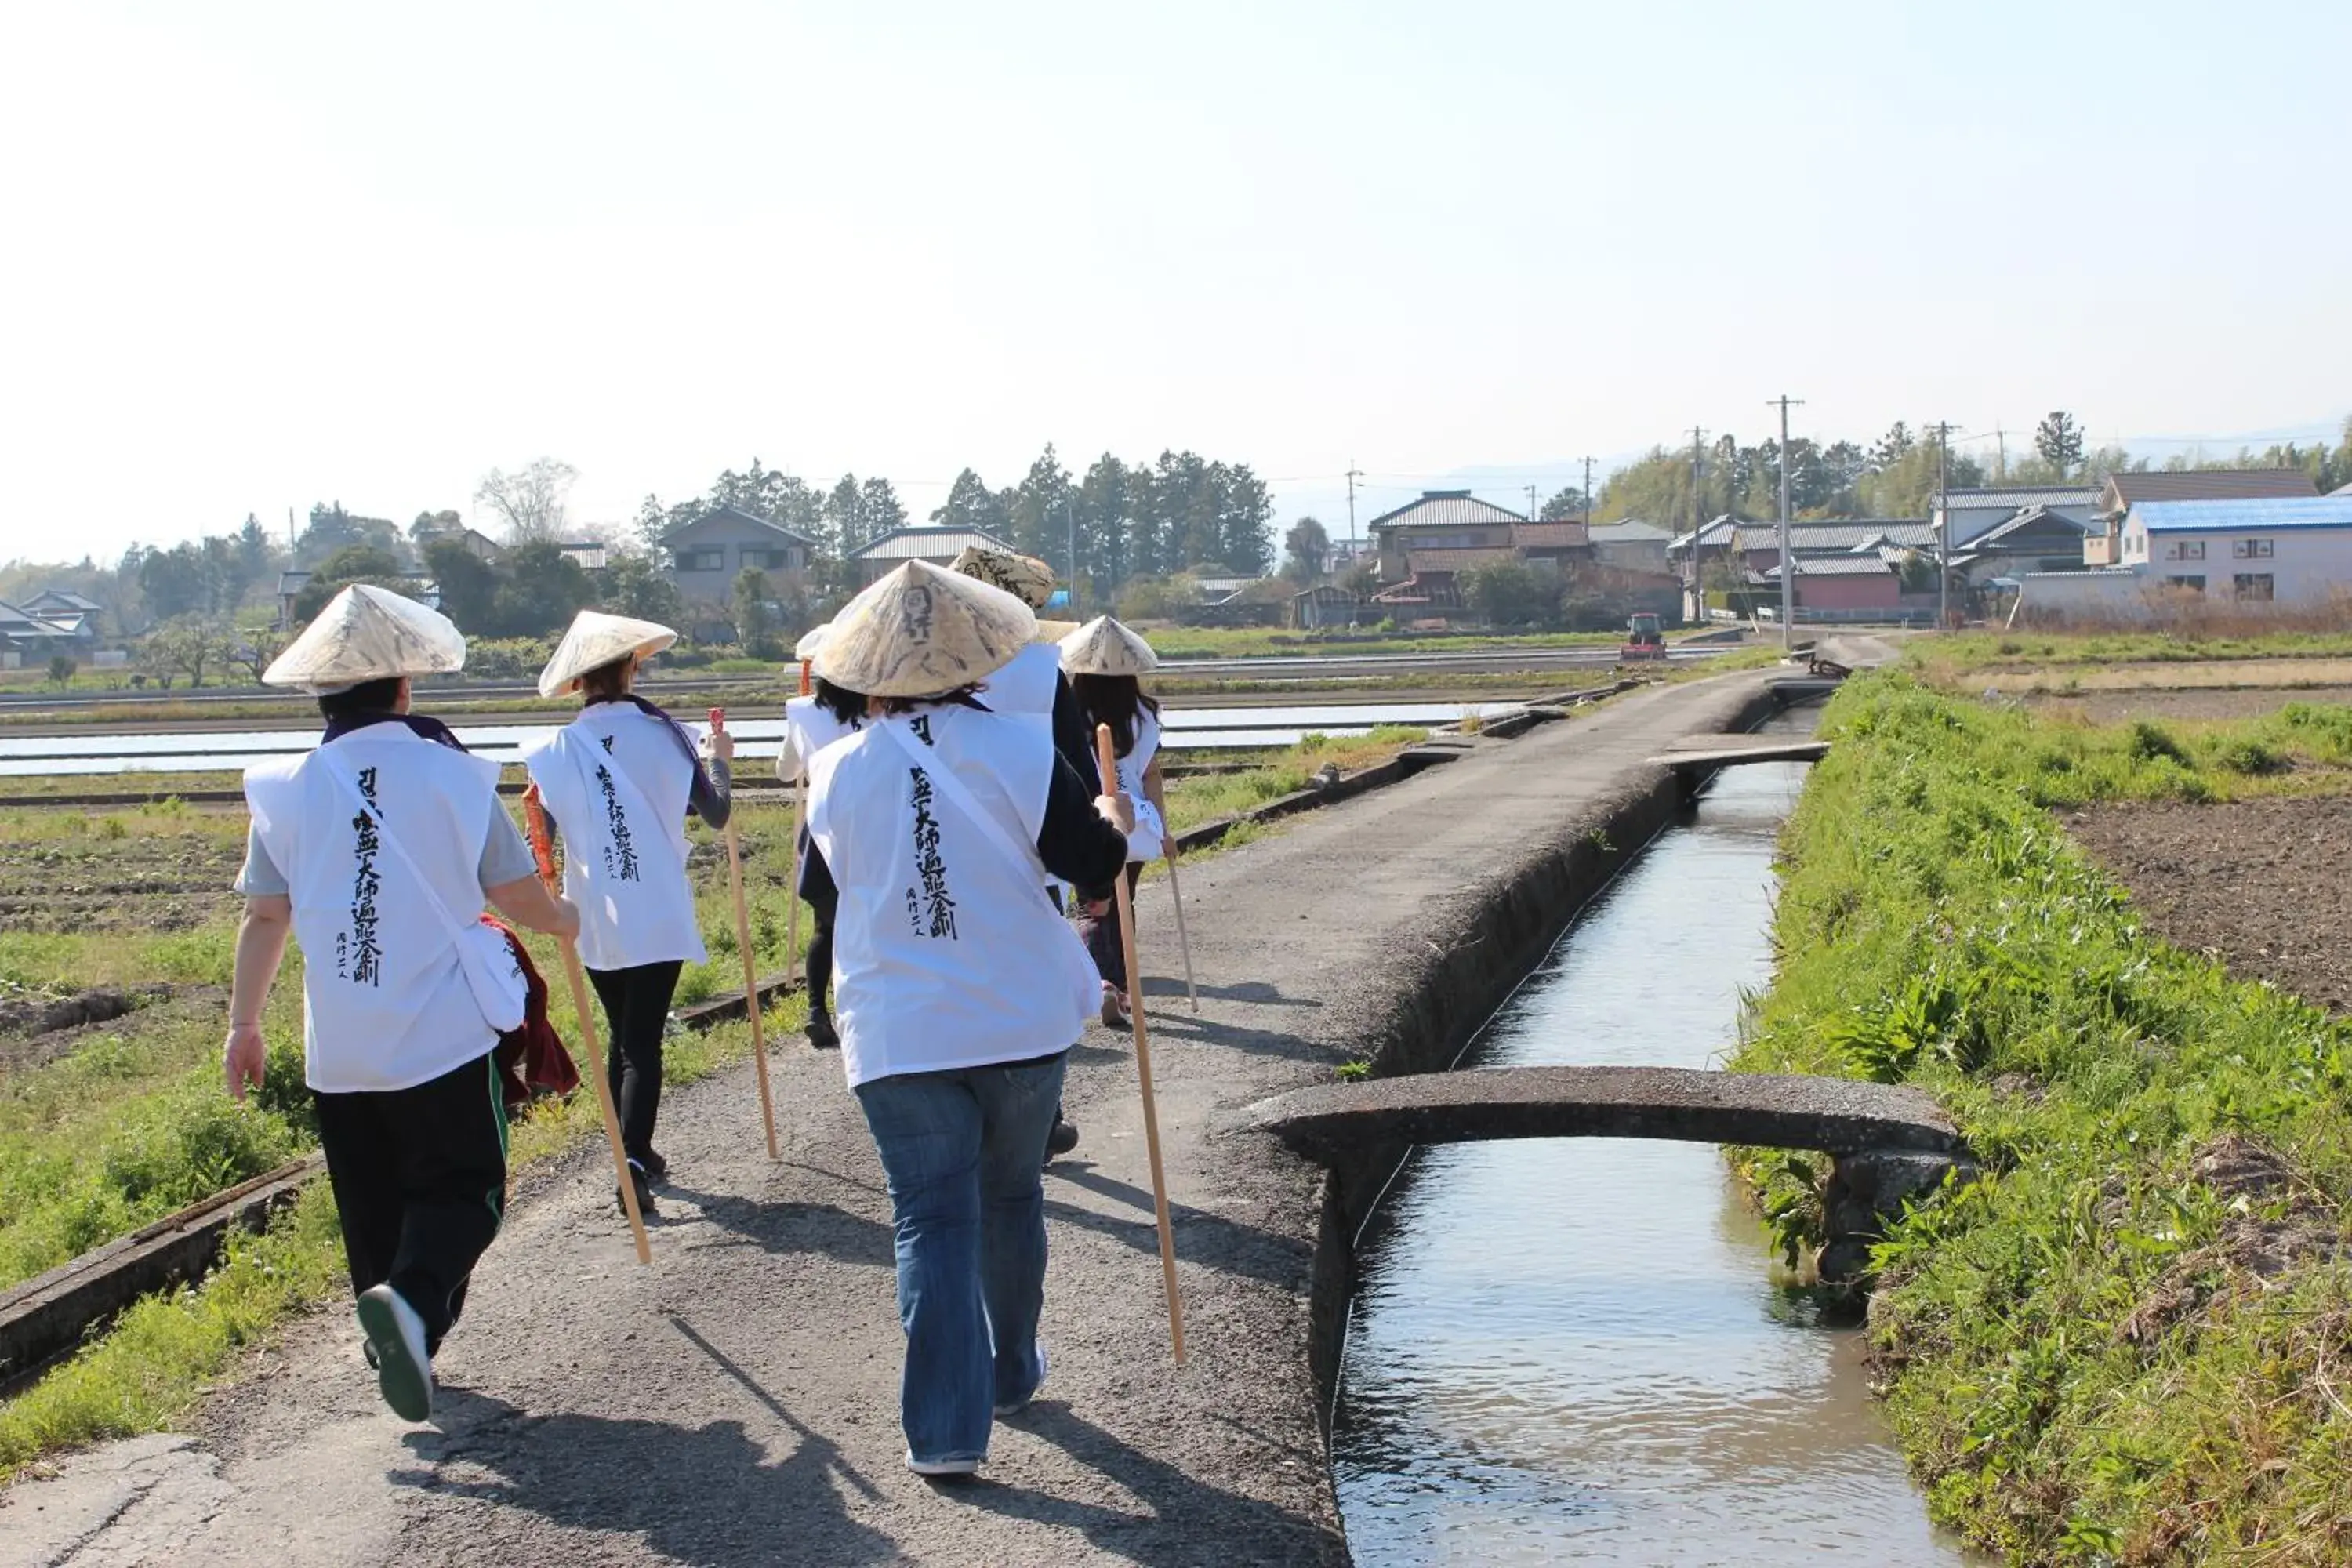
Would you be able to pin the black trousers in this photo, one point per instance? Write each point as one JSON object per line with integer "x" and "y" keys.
{"x": 1100, "y": 932}
{"x": 420, "y": 1179}
{"x": 818, "y": 967}
{"x": 636, "y": 1011}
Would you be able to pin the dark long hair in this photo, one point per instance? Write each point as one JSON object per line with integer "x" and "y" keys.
{"x": 1118, "y": 700}
{"x": 367, "y": 697}
{"x": 849, "y": 706}
{"x": 846, "y": 706}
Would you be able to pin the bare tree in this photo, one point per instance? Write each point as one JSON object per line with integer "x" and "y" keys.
{"x": 256, "y": 650}
{"x": 185, "y": 643}
{"x": 530, "y": 501}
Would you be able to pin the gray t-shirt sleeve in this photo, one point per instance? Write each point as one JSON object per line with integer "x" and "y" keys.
{"x": 259, "y": 877}
{"x": 506, "y": 857}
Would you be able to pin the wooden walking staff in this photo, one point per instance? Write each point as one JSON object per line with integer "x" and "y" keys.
{"x": 543, "y": 850}
{"x": 1184, "y": 942}
{"x": 751, "y": 964}
{"x": 799, "y": 826}
{"x": 1108, "y": 763}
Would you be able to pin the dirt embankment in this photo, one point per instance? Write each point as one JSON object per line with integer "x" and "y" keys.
{"x": 2259, "y": 884}
{"x": 2219, "y": 702}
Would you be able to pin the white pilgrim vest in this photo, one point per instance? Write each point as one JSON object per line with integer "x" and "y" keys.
{"x": 808, "y": 729}
{"x": 618, "y": 784}
{"x": 1144, "y": 843}
{"x": 387, "y": 1003}
{"x": 1027, "y": 683}
{"x": 946, "y": 953}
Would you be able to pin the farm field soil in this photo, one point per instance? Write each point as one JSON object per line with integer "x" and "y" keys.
{"x": 2172, "y": 676}
{"x": 2215, "y": 702}
{"x": 2259, "y": 884}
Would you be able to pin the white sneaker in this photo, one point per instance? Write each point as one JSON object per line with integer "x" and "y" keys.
{"x": 942, "y": 1467}
{"x": 1044, "y": 1364}
{"x": 404, "y": 1372}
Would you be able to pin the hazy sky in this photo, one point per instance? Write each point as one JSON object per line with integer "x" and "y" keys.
{"x": 262, "y": 255}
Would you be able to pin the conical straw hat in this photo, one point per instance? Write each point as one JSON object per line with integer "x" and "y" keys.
{"x": 596, "y": 639}
{"x": 811, "y": 640}
{"x": 367, "y": 633}
{"x": 1025, "y": 577}
{"x": 1103, "y": 647}
{"x": 921, "y": 631}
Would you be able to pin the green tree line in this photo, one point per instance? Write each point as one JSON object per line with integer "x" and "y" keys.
{"x": 1180, "y": 512}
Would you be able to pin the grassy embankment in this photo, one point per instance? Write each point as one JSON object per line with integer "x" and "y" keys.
{"x": 130, "y": 1124}
{"x": 2128, "y": 1342}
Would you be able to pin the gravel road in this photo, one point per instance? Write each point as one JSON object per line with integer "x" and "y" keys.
{"x": 736, "y": 1401}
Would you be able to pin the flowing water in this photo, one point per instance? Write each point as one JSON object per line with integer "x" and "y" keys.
{"x": 1573, "y": 1349}
{"x": 1194, "y": 729}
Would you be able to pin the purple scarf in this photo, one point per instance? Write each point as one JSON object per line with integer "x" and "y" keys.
{"x": 431, "y": 730}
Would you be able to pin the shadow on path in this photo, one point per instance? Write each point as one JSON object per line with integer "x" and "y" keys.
{"x": 1183, "y": 1522}
{"x": 707, "y": 1495}
{"x": 1178, "y": 1026}
{"x": 788, "y": 1229}
{"x": 1257, "y": 992}
{"x": 1201, "y": 1237}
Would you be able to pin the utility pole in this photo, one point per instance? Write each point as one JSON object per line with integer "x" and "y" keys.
{"x": 1698, "y": 494}
{"x": 1070, "y": 516}
{"x": 1354, "y": 473}
{"x": 1943, "y": 525}
{"x": 1531, "y": 503}
{"x": 1788, "y": 558}
{"x": 1587, "y": 492}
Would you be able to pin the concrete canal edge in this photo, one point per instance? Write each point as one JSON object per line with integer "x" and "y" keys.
{"x": 47, "y": 1317}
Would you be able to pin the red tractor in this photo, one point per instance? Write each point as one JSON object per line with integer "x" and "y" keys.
{"x": 1645, "y": 641}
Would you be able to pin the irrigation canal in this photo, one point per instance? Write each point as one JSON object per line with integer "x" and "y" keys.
{"x": 1572, "y": 1348}
{"x": 1198, "y": 729}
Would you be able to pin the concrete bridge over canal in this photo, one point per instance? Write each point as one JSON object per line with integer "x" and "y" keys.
{"x": 1835, "y": 1116}
{"x": 1888, "y": 1143}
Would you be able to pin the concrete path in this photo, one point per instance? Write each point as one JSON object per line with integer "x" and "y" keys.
{"x": 736, "y": 1401}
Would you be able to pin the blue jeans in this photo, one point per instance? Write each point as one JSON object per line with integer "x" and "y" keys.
{"x": 963, "y": 1151}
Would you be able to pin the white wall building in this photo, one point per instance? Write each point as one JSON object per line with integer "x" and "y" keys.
{"x": 2288, "y": 551}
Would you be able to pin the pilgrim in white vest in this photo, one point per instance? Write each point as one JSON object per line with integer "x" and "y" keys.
{"x": 619, "y": 782}
{"x": 1106, "y": 661}
{"x": 811, "y": 723}
{"x": 1033, "y": 682}
{"x": 377, "y": 849}
{"x": 959, "y": 988}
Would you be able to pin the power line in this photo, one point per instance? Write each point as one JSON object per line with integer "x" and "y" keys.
{"x": 1944, "y": 525}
